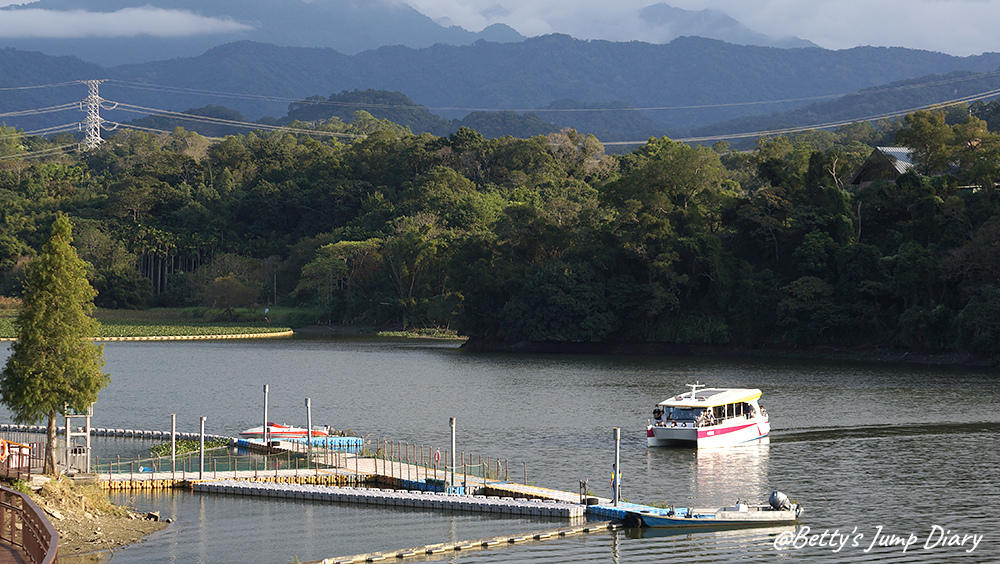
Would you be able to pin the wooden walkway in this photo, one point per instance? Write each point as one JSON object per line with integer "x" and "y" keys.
{"x": 10, "y": 554}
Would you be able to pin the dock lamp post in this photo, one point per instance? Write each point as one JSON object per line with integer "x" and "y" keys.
{"x": 616, "y": 482}
{"x": 309, "y": 428}
{"x": 263, "y": 435}
{"x": 173, "y": 444}
{"x": 451, "y": 421}
{"x": 201, "y": 457}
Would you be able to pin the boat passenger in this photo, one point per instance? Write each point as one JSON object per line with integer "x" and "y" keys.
{"x": 658, "y": 416}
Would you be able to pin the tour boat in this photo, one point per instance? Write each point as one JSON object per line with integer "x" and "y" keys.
{"x": 278, "y": 432}
{"x": 779, "y": 511}
{"x": 708, "y": 417}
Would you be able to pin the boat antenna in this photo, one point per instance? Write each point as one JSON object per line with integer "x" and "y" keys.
{"x": 694, "y": 388}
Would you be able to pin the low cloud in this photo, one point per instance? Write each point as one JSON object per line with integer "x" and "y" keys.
{"x": 127, "y": 22}
{"x": 958, "y": 27}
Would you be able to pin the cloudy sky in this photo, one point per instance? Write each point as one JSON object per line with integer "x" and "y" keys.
{"x": 957, "y": 27}
{"x": 127, "y": 22}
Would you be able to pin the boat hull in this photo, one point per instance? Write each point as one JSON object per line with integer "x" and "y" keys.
{"x": 757, "y": 516}
{"x": 729, "y": 433}
{"x": 278, "y": 432}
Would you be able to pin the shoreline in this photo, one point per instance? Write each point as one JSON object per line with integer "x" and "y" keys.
{"x": 883, "y": 356}
{"x": 474, "y": 344}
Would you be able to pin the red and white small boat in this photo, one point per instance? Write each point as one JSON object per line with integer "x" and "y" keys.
{"x": 710, "y": 417}
{"x": 278, "y": 432}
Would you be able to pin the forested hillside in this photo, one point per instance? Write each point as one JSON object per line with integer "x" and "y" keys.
{"x": 545, "y": 239}
{"x": 904, "y": 95}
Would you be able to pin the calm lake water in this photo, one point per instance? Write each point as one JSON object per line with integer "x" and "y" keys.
{"x": 884, "y": 455}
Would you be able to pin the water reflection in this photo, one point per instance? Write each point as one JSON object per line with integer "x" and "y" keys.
{"x": 709, "y": 533}
{"x": 860, "y": 445}
{"x": 724, "y": 475}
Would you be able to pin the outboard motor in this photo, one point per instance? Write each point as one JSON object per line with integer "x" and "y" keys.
{"x": 779, "y": 501}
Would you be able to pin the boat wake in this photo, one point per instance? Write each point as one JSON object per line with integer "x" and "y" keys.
{"x": 882, "y": 431}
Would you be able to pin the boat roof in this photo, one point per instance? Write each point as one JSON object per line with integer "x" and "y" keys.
{"x": 712, "y": 397}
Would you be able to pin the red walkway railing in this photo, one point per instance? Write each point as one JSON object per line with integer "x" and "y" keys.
{"x": 23, "y": 524}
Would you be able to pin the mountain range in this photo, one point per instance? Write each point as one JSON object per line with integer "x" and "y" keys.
{"x": 686, "y": 84}
{"x": 113, "y": 32}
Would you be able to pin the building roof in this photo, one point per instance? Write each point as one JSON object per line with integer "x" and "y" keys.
{"x": 900, "y": 157}
{"x": 884, "y": 163}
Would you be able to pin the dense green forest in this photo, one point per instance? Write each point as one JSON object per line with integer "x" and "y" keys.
{"x": 544, "y": 239}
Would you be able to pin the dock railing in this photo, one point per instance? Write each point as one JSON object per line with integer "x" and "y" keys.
{"x": 18, "y": 460}
{"x": 23, "y": 524}
{"x": 220, "y": 463}
{"x": 413, "y": 464}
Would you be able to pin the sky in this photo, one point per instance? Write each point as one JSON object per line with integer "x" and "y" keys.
{"x": 956, "y": 27}
{"x": 127, "y": 22}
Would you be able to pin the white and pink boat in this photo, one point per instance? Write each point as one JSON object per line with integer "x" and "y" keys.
{"x": 278, "y": 432}
{"x": 709, "y": 417}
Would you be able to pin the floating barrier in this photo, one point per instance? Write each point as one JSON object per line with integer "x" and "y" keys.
{"x": 477, "y": 544}
{"x": 353, "y": 445}
{"x": 266, "y": 335}
{"x": 108, "y": 432}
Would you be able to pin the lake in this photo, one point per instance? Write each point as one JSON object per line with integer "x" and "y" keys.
{"x": 891, "y": 458}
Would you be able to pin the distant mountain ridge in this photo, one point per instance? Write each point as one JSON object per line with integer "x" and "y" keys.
{"x": 696, "y": 81}
{"x": 345, "y": 26}
{"x": 670, "y": 22}
{"x": 156, "y": 30}
{"x": 686, "y": 84}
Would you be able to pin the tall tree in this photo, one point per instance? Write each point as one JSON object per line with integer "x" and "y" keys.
{"x": 930, "y": 139}
{"x": 54, "y": 365}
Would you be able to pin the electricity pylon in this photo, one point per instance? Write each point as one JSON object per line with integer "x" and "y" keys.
{"x": 92, "y": 123}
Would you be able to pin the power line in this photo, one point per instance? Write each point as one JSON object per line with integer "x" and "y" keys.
{"x": 829, "y": 125}
{"x": 42, "y": 152}
{"x": 57, "y": 84}
{"x": 221, "y": 121}
{"x": 93, "y": 103}
{"x": 44, "y": 131}
{"x": 50, "y": 109}
{"x": 326, "y": 102}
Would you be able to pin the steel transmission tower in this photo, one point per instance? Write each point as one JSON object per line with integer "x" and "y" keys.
{"x": 92, "y": 123}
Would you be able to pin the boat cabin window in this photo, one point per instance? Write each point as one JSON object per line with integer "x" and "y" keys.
{"x": 682, "y": 413}
{"x": 742, "y": 409}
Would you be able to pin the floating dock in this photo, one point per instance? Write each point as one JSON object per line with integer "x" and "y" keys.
{"x": 398, "y": 498}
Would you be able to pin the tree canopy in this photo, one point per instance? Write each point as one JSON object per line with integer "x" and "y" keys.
{"x": 53, "y": 366}
{"x": 545, "y": 238}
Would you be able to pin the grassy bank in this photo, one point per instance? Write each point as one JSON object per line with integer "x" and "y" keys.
{"x": 201, "y": 321}
{"x": 187, "y": 321}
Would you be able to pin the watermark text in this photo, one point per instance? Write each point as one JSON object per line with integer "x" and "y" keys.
{"x": 866, "y": 540}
